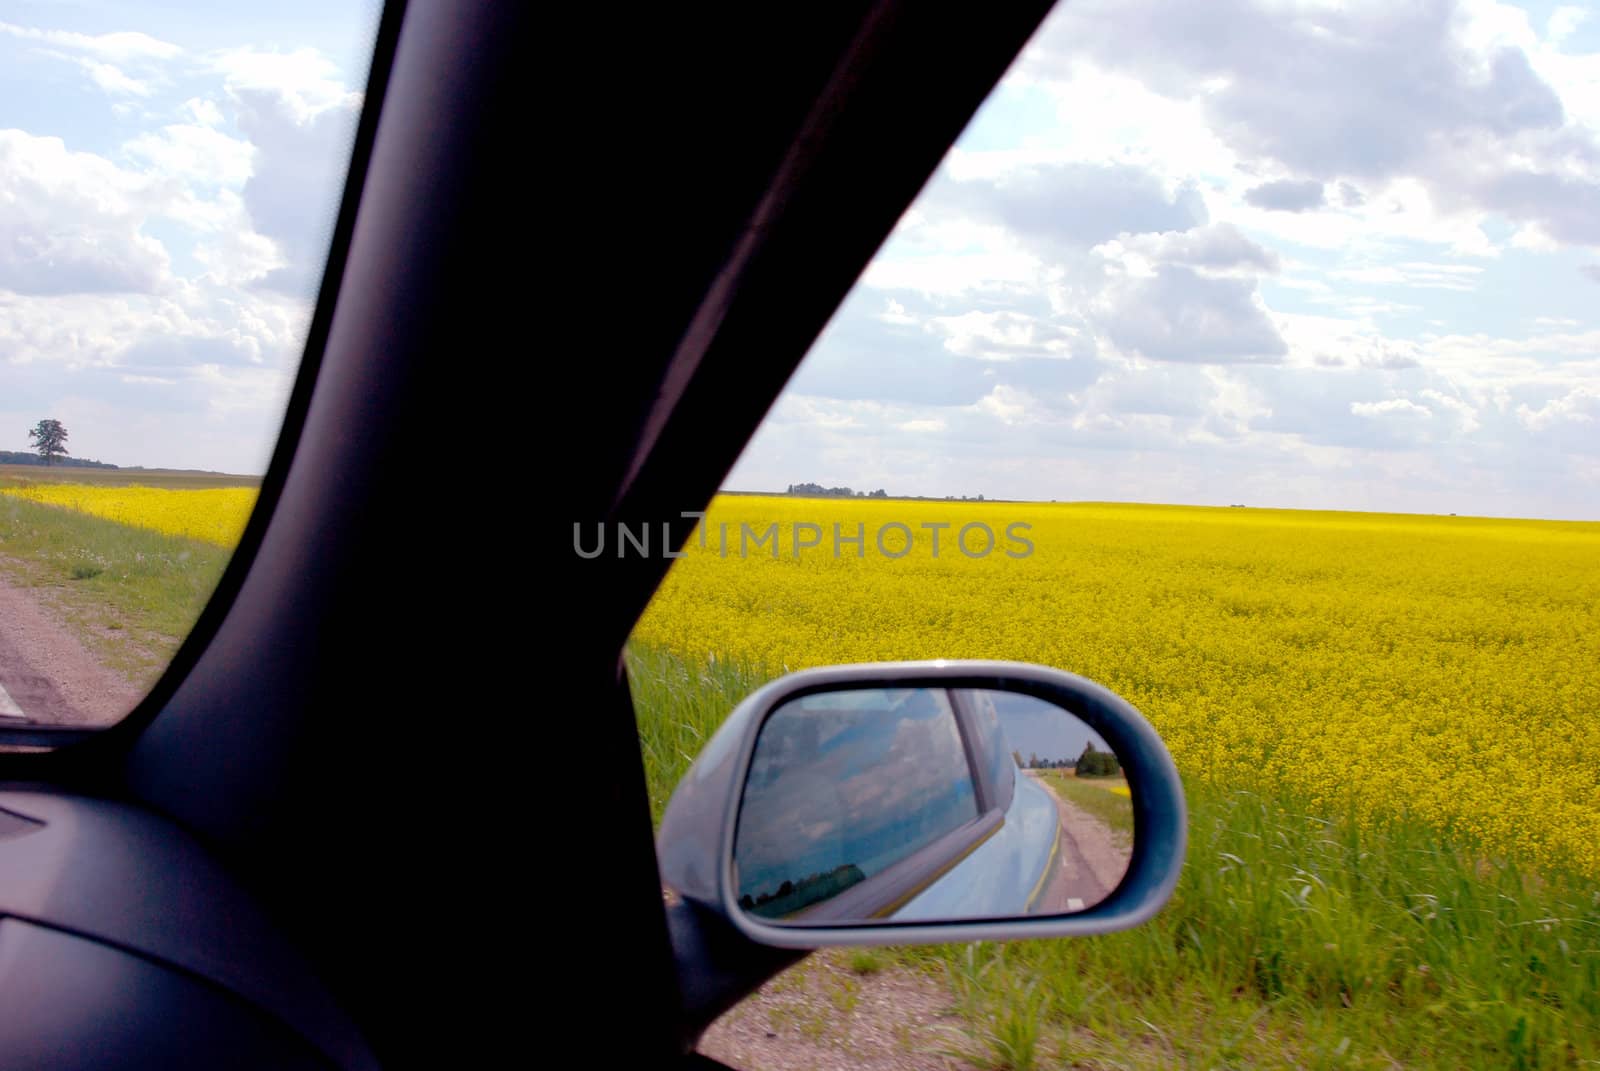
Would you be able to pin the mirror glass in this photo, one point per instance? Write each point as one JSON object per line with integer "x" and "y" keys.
{"x": 927, "y": 805}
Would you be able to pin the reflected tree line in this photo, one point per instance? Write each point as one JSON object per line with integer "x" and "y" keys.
{"x": 792, "y": 896}
{"x": 1091, "y": 763}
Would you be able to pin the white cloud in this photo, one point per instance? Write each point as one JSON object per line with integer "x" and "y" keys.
{"x": 1214, "y": 249}
{"x": 1104, "y": 117}
{"x": 158, "y": 292}
{"x": 1563, "y": 21}
{"x": 1394, "y": 406}
{"x": 1122, "y": 247}
{"x": 193, "y": 153}
{"x": 308, "y": 82}
{"x": 70, "y": 222}
{"x": 926, "y": 424}
{"x": 203, "y": 111}
{"x": 238, "y": 256}
{"x": 113, "y": 80}
{"x": 1287, "y": 195}
{"x": 119, "y": 47}
{"x": 1466, "y": 416}
{"x": 1464, "y": 101}
{"x": 122, "y": 65}
{"x": 1009, "y": 406}
{"x": 1002, "y": 335}
{"x": 1179, "y": 314}
{"x": 1579, "y": 406}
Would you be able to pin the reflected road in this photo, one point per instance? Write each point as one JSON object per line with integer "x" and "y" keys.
{"x": 1089, "y": 863}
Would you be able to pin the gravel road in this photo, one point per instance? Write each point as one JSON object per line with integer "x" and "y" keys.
{"x": 1090, "y": 862}
{"x": 45, "y": 673}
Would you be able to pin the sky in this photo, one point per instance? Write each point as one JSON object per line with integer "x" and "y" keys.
{"x": 169, "y": 178}
{"x": 1289, "y": 254}
{"x": 1035, "y": 727}
{"x": 1269, "y": 252}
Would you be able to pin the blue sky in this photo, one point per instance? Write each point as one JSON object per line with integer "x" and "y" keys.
{"x": 1299, "y": 254}
{"x": 169, "y": 176}
{"x": 1034, "y": 727}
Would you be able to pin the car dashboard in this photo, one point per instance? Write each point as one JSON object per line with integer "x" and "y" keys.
{"x": 122, "y": 943}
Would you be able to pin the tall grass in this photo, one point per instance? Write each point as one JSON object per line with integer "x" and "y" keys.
{"x": 678, "y": 705}
{"x": 1296, "y": 937}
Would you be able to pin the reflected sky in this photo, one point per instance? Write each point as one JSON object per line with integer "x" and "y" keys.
{"x": 861, "y": 778}
{"x": 1036, "y": 727}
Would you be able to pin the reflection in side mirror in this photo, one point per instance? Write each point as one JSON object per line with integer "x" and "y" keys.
{"x": 927, "y": 804}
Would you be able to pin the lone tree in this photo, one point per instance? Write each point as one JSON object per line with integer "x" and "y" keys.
{"x": 49, "y": 438}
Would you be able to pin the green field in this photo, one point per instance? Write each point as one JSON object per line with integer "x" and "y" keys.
{"x": 1296, "y": 938}
{"x": 130, "y": 594}
{"x": 174, "y": 479}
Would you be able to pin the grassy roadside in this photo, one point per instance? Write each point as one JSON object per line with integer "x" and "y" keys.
{"x": 1295, "y": 939}
{"x": 130, "y": 595}
{"x": 1094, "y": 797}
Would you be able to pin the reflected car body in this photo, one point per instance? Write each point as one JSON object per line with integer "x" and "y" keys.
{"x": 1006, "y": 874}
{"x": 822, "y": 839}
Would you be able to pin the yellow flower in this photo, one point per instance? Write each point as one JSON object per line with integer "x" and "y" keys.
{"x": 212, "y": 515}
{"x": 1447, "y": 668}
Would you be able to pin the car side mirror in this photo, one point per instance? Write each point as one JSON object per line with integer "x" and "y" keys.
{"x": 927, "y": 802}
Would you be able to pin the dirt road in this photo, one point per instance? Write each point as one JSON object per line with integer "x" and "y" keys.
{"x": 45, "y": 674}
{"x": 1089, "y": 862}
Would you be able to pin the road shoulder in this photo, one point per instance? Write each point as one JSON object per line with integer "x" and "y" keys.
{"x": 44, "y": 668}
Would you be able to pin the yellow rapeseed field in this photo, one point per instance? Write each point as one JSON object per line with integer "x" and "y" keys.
{"x": 1446, "y": 668}
{"x": 214, "y": 515}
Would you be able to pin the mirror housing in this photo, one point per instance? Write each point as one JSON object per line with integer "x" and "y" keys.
{"x": 696, "y": 842}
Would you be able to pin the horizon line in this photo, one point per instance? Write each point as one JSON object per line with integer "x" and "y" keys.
{"x": 1163, "y": 505}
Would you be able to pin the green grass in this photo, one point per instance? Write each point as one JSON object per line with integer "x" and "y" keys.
{"x": 866, "y": 961}
{"x": 1094, "y": 797}
{"x": 678, "y": 705}
{"x": 1295, "y": 939}
{"x": 131, "y": 595}
{"x": 174, "y": 479}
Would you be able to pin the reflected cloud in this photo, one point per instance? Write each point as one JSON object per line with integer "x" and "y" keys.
{"x": 859, "y": 779}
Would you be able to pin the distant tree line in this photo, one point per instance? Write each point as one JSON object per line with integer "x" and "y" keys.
{"x": 1036, "y": 763}
{"x": 1092, "y": 763}
{"x": 16, "y": 457}
{"x": 791, "y": 896}
{"x": 816, "y": 490}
